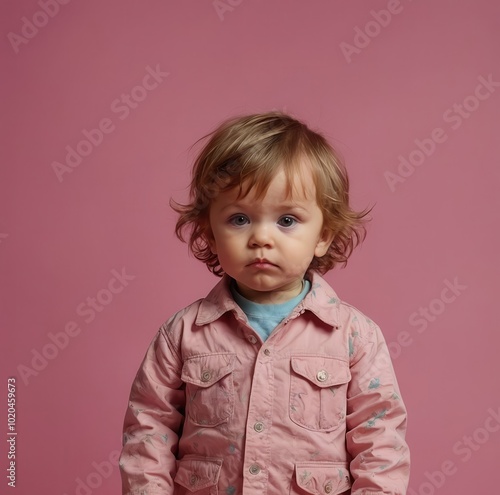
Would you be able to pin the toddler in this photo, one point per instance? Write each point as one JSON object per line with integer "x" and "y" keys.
{"x": 270, "y": 384}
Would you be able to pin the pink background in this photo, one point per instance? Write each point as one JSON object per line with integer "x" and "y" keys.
{"x": 61, "y": 239}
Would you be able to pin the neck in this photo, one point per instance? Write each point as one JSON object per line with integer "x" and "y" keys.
{"x": 278, "y": 296}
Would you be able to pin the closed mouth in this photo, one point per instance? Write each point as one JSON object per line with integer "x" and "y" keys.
{"x": 261, "y": 262}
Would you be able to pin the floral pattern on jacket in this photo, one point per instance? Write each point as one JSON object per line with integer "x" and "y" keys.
{"x": 315, "y": 409}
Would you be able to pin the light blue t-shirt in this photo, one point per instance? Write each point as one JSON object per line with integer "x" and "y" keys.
{"x": 264, "y": 318}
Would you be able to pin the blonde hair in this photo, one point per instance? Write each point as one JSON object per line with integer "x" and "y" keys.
{"x": 250, "y": 150}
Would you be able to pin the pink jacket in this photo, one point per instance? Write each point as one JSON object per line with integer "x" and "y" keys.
{"x": 315, "y": 409}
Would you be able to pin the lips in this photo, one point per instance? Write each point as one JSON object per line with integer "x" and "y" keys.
{"x": 261, "y": 263}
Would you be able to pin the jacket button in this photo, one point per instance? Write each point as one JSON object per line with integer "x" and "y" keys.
{"x": 205, "y": 376}
{"x": 193, "y": 479}
{"x": 254, "y": 469}
{"x": 322, "y": 375}
{"x": 258, "y": 427}
{"x": 267, "y": 352}
{"x": 328, "y": 487}
{"x": 252, "y": 339}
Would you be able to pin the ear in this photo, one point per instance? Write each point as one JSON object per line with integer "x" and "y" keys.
{"x": 324, "y": 241}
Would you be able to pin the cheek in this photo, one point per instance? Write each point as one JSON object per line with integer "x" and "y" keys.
{"x": 223, "y": 245}
{"x": 298, "y": 260}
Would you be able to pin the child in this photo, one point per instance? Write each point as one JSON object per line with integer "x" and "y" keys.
{"x": 271, "y": 384}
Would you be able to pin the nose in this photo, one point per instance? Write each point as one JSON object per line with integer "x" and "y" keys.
{"x": 260, "y": 236}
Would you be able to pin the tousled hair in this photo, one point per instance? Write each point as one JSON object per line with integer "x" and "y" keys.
{"x": 247, "y": 152}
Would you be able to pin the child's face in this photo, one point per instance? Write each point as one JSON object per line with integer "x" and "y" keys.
{"x": 266, "y": 244}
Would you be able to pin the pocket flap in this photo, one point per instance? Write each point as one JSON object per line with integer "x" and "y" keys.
{"x": 327, "y": 478}
{"x": 205, "y": 370}
{"x": 323, "y": 371}
{"x": 197, "y": 473}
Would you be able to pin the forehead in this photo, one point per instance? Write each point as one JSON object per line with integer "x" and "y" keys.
{"x": 295, "y": 187}
{"x": 293, "y": 181}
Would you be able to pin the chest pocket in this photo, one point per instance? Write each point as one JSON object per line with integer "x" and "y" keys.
{"x": 318, "y": 388}
{"x": 209, "y": 388}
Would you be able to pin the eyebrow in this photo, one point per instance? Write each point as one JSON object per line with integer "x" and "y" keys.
{"x": 283, "y": 206}
{"x": 292, "y": 206}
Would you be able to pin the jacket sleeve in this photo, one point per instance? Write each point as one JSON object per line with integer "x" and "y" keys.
{"x": 376, "y": 416}
{"x": 153, "y": 422}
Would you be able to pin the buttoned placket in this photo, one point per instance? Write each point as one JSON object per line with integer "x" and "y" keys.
{"x": 260, "y": 410}
{"x": 257, "y": 442}
{"x": 259, "y": 420}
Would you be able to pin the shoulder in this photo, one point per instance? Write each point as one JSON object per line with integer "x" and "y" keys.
{"x": 356, "y": 318}
{"x": 327, "y": 302}
{"x": 201, "y": 312}
{"x": 174, "y": 326}
{"x": 360, "y": 333}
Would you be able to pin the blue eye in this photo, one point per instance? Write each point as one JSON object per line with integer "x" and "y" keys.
{"x": 287, "y": 221}
{"x": 238, "y": 220}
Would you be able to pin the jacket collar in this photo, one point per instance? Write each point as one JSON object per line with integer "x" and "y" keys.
{"x": 321, "y": 300}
